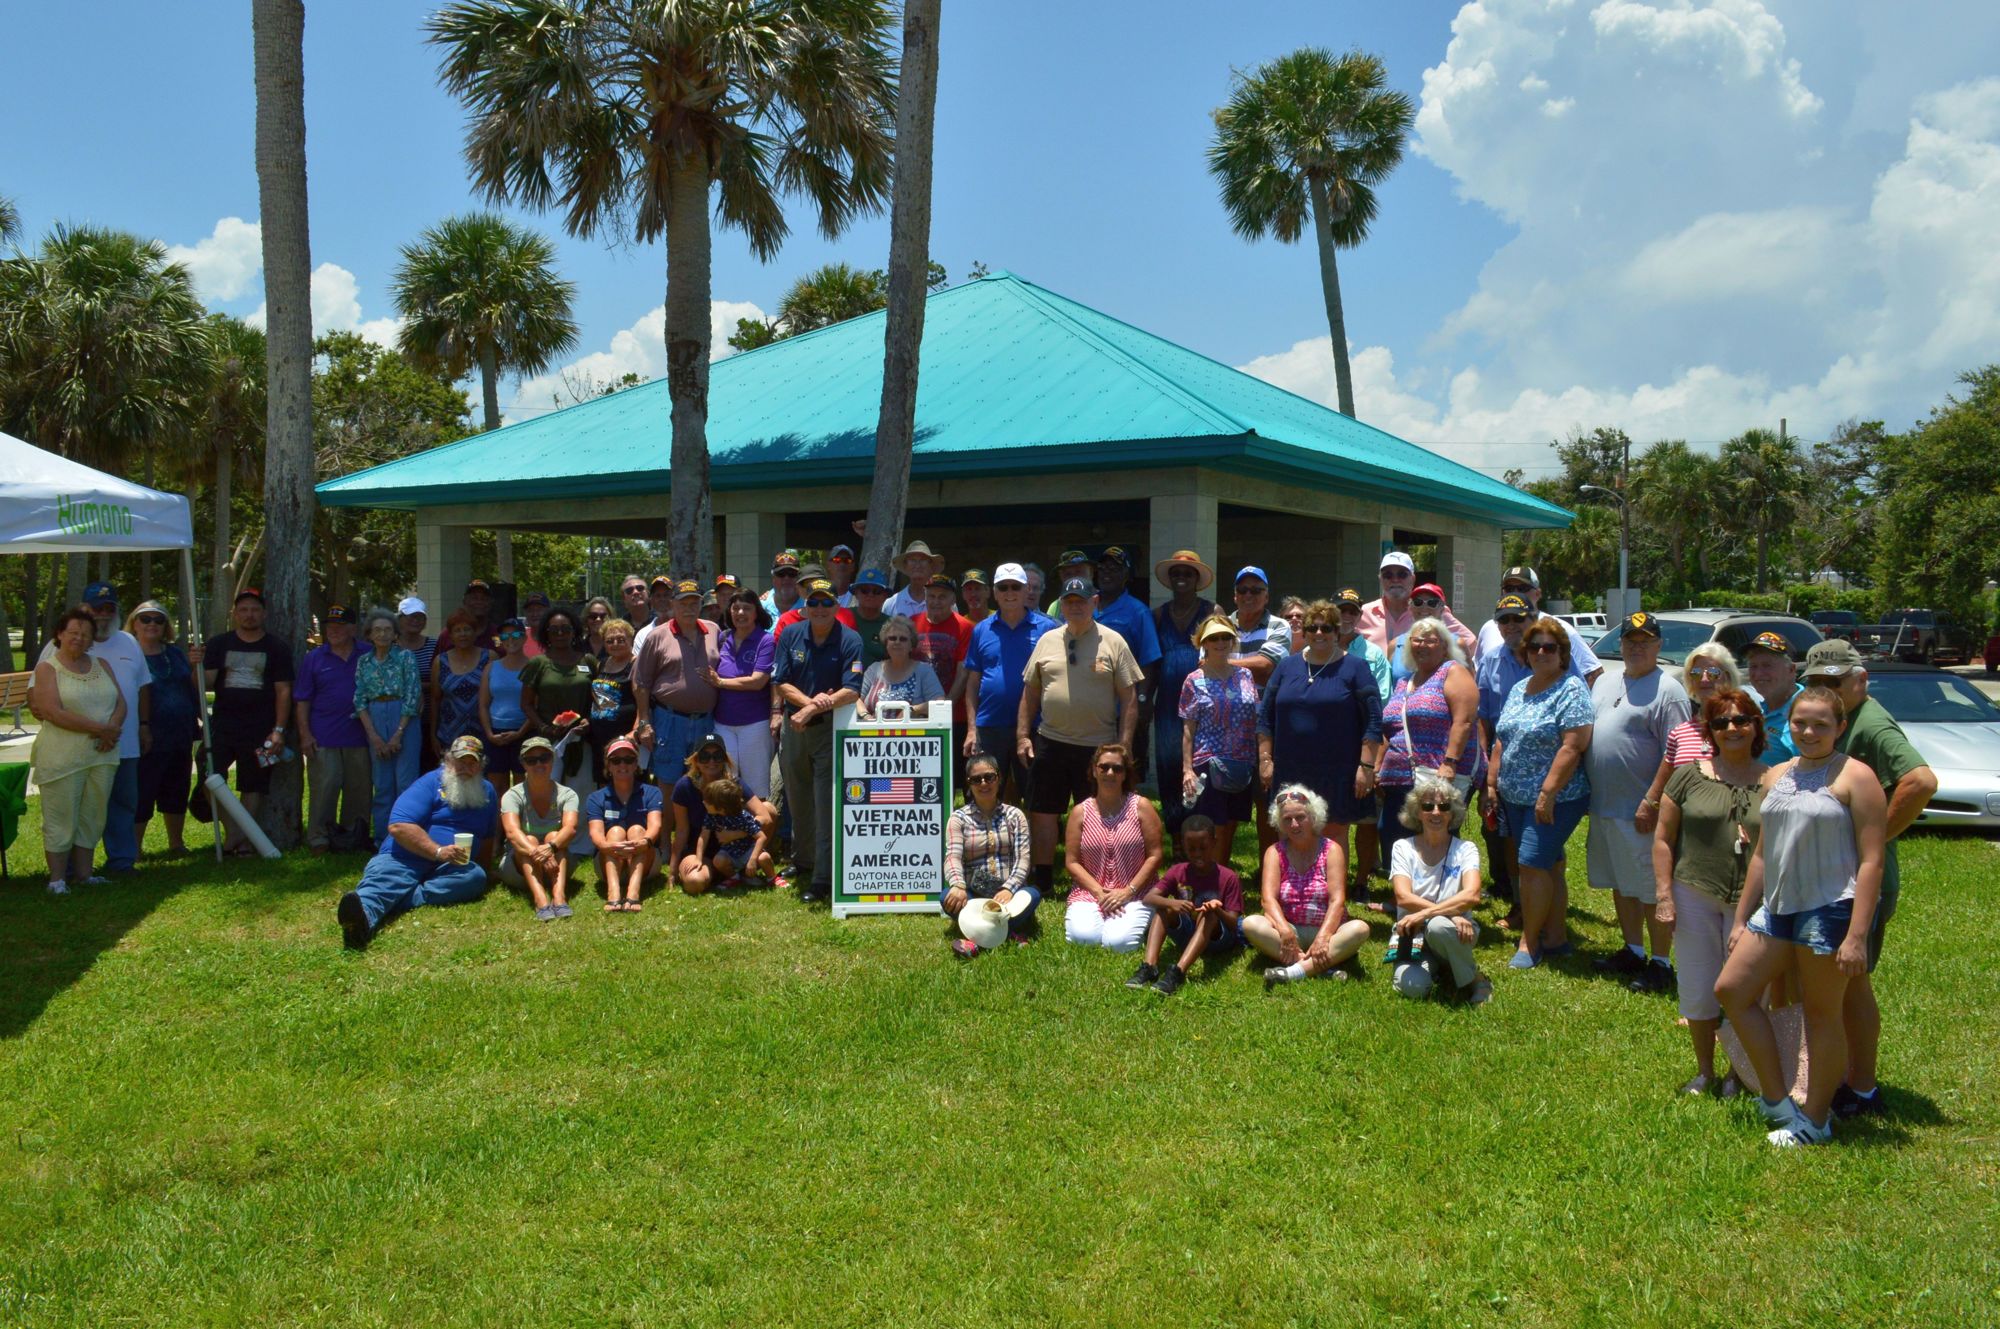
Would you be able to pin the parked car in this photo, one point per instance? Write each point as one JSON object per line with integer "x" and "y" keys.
{"x": 1591, "y": 626}
{"x": 1842, "y": 623}
{"x": 1956, "y": 729}
{"x": 1681, "y": 630}
{"x": 1921, "y": 636}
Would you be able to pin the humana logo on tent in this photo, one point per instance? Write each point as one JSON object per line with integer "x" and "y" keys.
{"x": 74, "y": 518}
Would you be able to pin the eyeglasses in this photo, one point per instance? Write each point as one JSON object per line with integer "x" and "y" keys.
{"x": 558, "y": 629}
{"x": 512, "y": 636}
{"x": 153, "y": 619}
{"x": 1434, "y": 806}
{"x": 1511, "y": 618}
{"x": 1110, "y": 768}
{"x": 621, "y": 761}
{"x": 897, "y": 641}
{"x": 988, "y": 778}
{"x": 1733, "y": 722}
{"x": 1426, "y": 601}
{"x": 1542, "y": 648}
{"x": 537, "y": 759}
{"x": 819, "y": 604}
{"x": 786, "y": 575}
{"x": 596, "y": 617}
{"x": 1709, "y": 671}
{"x": 1319, "y": 629}
{"x": 706, "y": 757}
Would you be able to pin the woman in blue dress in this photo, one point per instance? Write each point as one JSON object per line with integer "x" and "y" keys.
{"x": 1320, "y": 723}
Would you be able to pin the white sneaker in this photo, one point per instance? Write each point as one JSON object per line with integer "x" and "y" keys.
{"x": 1783, "y": 1113}
{"x": 1802, "y": 1132}
{"x": 58, "y": 888}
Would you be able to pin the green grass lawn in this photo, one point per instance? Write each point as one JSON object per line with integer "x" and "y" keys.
{"x": 734, "y": 1111}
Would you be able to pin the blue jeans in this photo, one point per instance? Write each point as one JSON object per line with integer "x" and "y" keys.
{"x": 674, "y": 737}
{"x": 392, "y": 775}
{"x": 389, "y": 886}
{"x": 121, "y": 831}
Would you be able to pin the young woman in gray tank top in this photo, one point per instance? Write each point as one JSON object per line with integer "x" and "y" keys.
{"x": 1808, "y": 899}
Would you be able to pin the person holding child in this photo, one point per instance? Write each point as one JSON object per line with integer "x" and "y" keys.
{"x": 1199, "y": 903}
{"x": 624, "y": 820}
{"x": 733, "y": 842}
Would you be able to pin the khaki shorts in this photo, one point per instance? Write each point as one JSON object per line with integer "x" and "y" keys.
{"x": 1620, "y": 858}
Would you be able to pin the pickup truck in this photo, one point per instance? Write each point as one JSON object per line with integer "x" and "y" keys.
{"x": 1836, "y": 623}
{"x": 1920, "y": 635}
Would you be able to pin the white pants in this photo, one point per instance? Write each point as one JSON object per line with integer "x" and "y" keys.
{"x": 750, "y": 747}
{"x": 1124, "y": 932}
{"x": 1701, "y": 940}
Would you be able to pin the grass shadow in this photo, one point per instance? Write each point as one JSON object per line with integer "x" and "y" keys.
{"x": 54, "y": 940}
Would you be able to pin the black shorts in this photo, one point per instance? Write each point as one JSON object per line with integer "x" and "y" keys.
{"x": 1878, "y": 928}
{"x": 166, "y": 775}
{"x": 252, "y": 777}
{"x": 503, "y": 759}
{"x": 1059, "y": 777}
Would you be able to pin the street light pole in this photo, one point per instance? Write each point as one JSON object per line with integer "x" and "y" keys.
{"x": 1624, "y": 543}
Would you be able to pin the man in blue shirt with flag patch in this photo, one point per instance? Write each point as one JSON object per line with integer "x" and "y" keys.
{"x": 817, "y": 670}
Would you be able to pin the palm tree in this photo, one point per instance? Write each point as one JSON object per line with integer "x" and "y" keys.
{"x": 1307, "y": 138}
{"x": 1674, "y": 492}
{"x": 910, "y": 274}
{"x": 10, "y": 221}
{"x": 1767, "y": 474}
{"x": 833, "y": 293}
{"x": 628, "y": 114}
{"x": 234, "y": 430}
{"x": 277, "y": 46}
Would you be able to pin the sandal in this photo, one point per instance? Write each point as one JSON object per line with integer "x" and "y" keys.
{"x": 633, "y": 906}
{"x": 614, "y": 906}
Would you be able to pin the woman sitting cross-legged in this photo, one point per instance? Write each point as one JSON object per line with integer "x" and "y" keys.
{"x": 538, "y": 820}
{"x": 1435, "y": 876}
{"x": 624, "y": 819}
{"x": 1113, "y": 853}
{"x": 1304, "y": 930}
{"x": 732, "y": 844}
{"x": 986, "y": 852}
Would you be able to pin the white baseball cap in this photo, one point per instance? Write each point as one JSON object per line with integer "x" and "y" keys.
{"x": 1396, "y": 558}
{"x": 412, "y": 605}
{"x": 1010, "y": 572}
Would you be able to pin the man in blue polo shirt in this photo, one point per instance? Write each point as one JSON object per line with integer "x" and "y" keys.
{"x": 1131, "y": 618}
{"x": 994, "y": 668}
{"x": 421, "y": 862}
{"x": 817, "y": 670}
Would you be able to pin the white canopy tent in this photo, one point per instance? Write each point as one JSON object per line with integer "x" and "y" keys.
{"x": 52, "y": 505}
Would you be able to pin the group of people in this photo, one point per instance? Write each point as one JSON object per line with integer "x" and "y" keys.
{"x": 1749, "y": 822}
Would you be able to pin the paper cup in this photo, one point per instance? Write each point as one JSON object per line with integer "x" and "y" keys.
{"x": 464, "y": 841}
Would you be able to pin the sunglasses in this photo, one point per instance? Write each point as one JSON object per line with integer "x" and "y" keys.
{"x": 621, "y": 761}
{"x": 154, "y": 619}
{"x": 786, "y": 575}
{"x": 1426, "y": 601}
{"x": 819, "y": 604}
{"x": 1733, "y": 722}
{"x": 1709, "y": 671}
{"x": 1434, "y": 806}
{"x": 897, "y": 641}
{"x": 1110, "y": 768}
{"x": 1070, "y": 648}
{"x": 1542, "y": 648}
{"x": 711, "y": 756}
{"x": 597, "y": 616}
{"x": 1513, "y": 588}
{"x": 1511, "y": 618}
{"x": 537, "y": 759}
{"x": 634, "y": 589}
{"x": 1253, "y": 590}
{"x": 988, "y": 778}
{"x": 1394, "y": 574}
{"x": 558, "y": 629}
{"x": 1319, "y": 629}
{"x": 512, "y": 636}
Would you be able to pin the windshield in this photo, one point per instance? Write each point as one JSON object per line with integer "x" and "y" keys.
{"x": 1676, "y": 640}
{"x": 1932, "y": 699}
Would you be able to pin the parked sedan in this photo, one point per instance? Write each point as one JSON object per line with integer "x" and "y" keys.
{"x": 1956, "y": 728}
{"x": 1681, "y": 630}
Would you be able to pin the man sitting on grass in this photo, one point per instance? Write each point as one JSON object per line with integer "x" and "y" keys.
{"x": 422, "y": 862}
{"x": 1203, "y": 899}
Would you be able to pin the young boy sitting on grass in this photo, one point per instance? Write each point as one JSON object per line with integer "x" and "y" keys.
{"x": 732, "y": 844}
{"x": 1199, "y": 902}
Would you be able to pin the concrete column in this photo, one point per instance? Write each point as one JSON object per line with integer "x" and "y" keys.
{"x": 444, "y": 565}
{"x": 1469, "y": 570}
{"x": 1177, "y": 521}
{"x": 1362, "y": 544}
{"x": 749, "y": 541}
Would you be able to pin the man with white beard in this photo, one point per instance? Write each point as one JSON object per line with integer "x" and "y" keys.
{"x": 422, "y": 862}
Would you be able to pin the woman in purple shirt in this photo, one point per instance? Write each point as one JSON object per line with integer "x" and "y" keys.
{"x": 743, "y": 716}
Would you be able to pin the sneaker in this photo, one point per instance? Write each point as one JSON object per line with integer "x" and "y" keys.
{"x": 1655, "y": 977}
{"x": 562, "y": 910}
{"x": 58, "y": 887}
{"x": 965, "y": 948}
{"x": 546, "y": 913}
{"x": 95, "y": 880}
{"x": 1143, "y": 976}
{"x": 1620, "y": 961}
{"x": 1558, "y": 951}
{"x": 1523, "y": 960}
{"x": 1274, "y": 977}
{"x": 1802, "y": 1132}
{"x": 1785, "y": 1112}
{"x": 1170, "y": 982}
{"x": 354, "y": 930}
{"x": 1482, "y": 991}
{"x": 1849, "y": 1104}
{"x": 1699, "y": 1086}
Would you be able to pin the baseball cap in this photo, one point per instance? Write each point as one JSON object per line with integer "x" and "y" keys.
{"x": 1010, "y": 572}
{"x": 1769, "y": 641}
{"x": 786, "y": 561}
{"x": 1347, "y": 595}
{"x": 728, "y": 579}
{"x": 662, "y": 580}
{"x": 1079, "y": 586}
{"x": 817, "y": 586}
{"x": 840, "y": 554}
{"x": 535, "y": 598}
{"x": 1396, "y": 558}
{"x": 1115, "y": 554}
{"x": 1641, "y": 624}
{"x": 1069, "y": 556}
{"x": 1430, "y": 588}
{"x": 944, "y": 580}
{"x": 1834, "y": 658}
{"x": 100, "y": 593}
{"x": 974, "y": 576}
{"x": 410, "y": 604}
{"x": 465, "y": 745}
{"x": 478, "y": 584}
{"x": 711, "y": 741}
{"x": 687, "y": 588}
{"x": 1511, "y": 604}
{"x": 871, "y": 577}
{"x": 536, "y": 744}
{"x": 618, "y": 745}
{"x": 1522, "y": 574}
{"x": 248, "y": 593}
{"x": 1251, "y": 570}
{"x": 340, "y": 614}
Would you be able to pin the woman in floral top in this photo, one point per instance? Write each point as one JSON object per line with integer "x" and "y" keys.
{"x": 1536, "y": 768}
{"x": 390, "y": 706}
{"x": 986, "y": 847}
{"x": 1218, "y": 710}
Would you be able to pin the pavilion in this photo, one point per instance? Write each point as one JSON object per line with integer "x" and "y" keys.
{"x": 1041, "y": 424}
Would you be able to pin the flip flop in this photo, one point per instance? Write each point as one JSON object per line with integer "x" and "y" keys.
{"x": 614, "y": 906}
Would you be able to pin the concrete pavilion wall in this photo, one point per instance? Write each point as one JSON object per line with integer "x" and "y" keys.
{"x": 1310, "y": 542}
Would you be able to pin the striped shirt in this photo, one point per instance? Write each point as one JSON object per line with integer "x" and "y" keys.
{"x": 1688, "y": 742}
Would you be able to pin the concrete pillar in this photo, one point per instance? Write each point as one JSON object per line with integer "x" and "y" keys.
{"x": 1469, "y": 570}
{"x": 1362, "y": 544}
{"x": 749, "y": 541}
{"x": 444, "y": 565}
{"x": 1177, "y": 521}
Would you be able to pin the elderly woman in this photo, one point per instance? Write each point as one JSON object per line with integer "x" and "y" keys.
{"x": 1113, "y": 852}
{"x": 1293, "y": 610}
{"x": 501, "y": 718}
{"x": 986, "y": 850}
{"x": 624, "y": 822}
{"x": 1304, "y": 930}
{"x": 1435, "y": 876}
{"x": 557, "y": 683}
{"x": 538, "y": 823}
{"x": 1218, "y": 711}
{"x": 1430, "y": 725}
{"x": 1809, "y": 896}
{"x": 458, "y": 675}
{"x": 390, "y": 705}
{"x": 1708, "y": 671}
{"x": 1710, "y": 815}
{"x": 1536, "y": 769}
{"x": 1319, "y": 724}
{"x": 612, "y": 710}
{"x": 75, "y": 754}
{"x": 171, "y": 723}
{"x": 742, "y": 678}
{"x": 899, "y": 676}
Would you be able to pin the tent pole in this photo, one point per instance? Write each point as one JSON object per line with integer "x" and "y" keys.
{"x": 192, "y": 619}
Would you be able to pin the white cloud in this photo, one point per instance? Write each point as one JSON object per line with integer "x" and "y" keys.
{"x": 639, "y": 349}
{"x": 1738, "y": 38}
{"x": 1728, "y": 254}
{"x": 336, "y": 307}
{"x": 227, "y": 263}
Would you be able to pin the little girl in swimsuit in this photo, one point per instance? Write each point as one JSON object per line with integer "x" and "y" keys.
{"x": 732, "y": 843}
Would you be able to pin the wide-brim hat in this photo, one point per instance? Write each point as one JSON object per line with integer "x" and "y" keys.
{"x": 1185, "y": 558}
{"x": 983, "y": 923}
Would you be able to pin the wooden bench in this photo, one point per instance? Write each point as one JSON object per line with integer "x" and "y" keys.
{"x": 14, "y": 697}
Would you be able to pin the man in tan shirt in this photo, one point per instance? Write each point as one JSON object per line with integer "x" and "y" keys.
{"x": 1081, "y": 684}
{"x": 673, "y": 693}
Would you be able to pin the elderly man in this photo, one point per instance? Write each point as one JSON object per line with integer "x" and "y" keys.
{"x": 1079, "y": 691}
{"x": 673, "y": 699}
{"x": 1070, "y": 563}
{"x": 785, "y": 575}
{"x": 422, "y": 862}
{"x": 126, "y": 660}
{"x": 331, "y": 740}
{"x": 870, "y": 594}
{"x": 1131, "y": 618}
{"x": 1263, "y": 637}
{"x": 840, "y": 569}
{"x": 817, "y": 670}
{"x": 1774, "y": 678}
{"x": 978, "y": 594}
{"x": 632, "y": 602}
{"x": 1522, "y": 582}
{"x": 251, "y": 672}
{"x": 1386, "y": 618}
{"x": 1496, "y": 673}
{"x": 1872, "y": 736}
{"x": 994, "y": 667}
{"x": 659, "y": 609}
{"x": 919, "y": 564}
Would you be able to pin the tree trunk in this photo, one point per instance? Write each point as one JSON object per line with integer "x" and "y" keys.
{"x": 1763, "y": 559}
{"x": 31, "y": 608}
{"x": 278, "y": 45}
{"x": 690, "y": 529}
{"x": 909, "y": 273}
{"x": 220, "y": 587}
{"x": 489, "y": 382}
{"x": 76, "y": 577}
{"x": 1329, "y": 280}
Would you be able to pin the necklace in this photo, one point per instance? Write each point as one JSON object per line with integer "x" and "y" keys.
{"x": 1312, "y": 674}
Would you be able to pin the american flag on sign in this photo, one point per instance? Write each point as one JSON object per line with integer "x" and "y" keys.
{"x": 899, "y": 790}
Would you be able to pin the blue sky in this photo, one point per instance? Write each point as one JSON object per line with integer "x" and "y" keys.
{"x": 1685, "y": 218}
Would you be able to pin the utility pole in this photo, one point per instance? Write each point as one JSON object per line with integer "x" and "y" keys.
{"x": 1625, "y": 605}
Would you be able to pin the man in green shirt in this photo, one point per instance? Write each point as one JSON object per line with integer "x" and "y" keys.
{"x": 1872, "y": 736}
{"x": 870, "y": 589}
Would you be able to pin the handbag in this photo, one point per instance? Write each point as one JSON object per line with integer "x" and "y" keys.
{"x": 1231, "y": 777}
{"x": 1462, "y": 783}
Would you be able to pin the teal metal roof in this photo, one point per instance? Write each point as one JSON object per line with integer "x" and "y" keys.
{"x": 1015, "y": 380}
